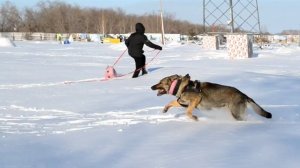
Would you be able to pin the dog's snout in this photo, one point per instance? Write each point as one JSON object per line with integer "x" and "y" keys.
{"x": 153, "y": 87}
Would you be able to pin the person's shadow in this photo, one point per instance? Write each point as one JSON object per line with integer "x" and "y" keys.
{"x": 154, "y": 69}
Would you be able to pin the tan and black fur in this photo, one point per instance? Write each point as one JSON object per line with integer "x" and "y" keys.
{"x": 194, "y": 94}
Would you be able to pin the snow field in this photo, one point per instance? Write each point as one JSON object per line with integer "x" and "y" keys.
{"x": 55, "y": 110}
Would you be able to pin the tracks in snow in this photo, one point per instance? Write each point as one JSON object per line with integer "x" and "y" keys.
{"x": 16, "y": 119}
{"x": 35, "y": 85}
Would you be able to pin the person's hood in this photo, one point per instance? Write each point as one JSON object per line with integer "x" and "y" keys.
{"x": 139, "y": 28}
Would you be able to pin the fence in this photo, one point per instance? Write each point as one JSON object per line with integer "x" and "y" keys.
{"x": 19, "y": 36}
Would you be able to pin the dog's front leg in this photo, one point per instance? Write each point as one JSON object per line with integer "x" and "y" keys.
{"x": 173, "y": 103}
{"x": 189, "y": 112}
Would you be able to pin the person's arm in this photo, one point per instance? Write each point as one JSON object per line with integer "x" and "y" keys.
{"x": 150, "y": 44}
{"x": 127, "y": 41}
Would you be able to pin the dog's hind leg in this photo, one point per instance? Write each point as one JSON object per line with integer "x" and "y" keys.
{"x": 238, "y": 111}
{"x": 173, "y": 103}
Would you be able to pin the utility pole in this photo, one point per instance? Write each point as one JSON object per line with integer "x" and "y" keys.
{"x": 299, "y": 38}
{"x": 103, "y": 28}
{"x": 157, "y": 22}
{"x": 258, "y": 18}
{"x": 162, "y": 24}
{"x": 204, "y": 16}
{"x": 231, "y": 16}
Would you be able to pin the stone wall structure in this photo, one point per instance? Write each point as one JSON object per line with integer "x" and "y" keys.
{"x": 239, "y": 46}
{"x": 210, "y": 42}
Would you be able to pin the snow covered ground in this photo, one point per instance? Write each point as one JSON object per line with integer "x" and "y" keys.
{"x": 56, "y": 112}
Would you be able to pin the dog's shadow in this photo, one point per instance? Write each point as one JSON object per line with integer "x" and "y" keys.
{"x": 179, "y": 115}
{"x": 215, "y": 115}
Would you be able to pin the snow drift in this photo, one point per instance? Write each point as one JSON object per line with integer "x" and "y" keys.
{"x": 6, "y": 42}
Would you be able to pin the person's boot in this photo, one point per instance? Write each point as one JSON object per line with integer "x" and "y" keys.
{"x": 144, "y": 72}
{"x": 135, "y": 74}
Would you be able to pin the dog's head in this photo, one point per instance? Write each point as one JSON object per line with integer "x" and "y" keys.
{"x": 164, "y": 85}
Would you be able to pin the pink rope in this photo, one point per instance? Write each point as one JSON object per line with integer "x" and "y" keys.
{"x": 95, "y": 80}
{"x": 143, "y": 66}
{"x": 120, "y": 57}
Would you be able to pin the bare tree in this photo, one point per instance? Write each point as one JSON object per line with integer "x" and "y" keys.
{"x": 60, "y": 17}
{"x": 30, "y": 21}
{"x": 10, "y": 18}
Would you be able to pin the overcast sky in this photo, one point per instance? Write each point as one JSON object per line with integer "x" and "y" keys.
{"x": 275, "y": 15}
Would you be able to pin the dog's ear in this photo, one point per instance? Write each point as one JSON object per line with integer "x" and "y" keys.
{"x": 187, "y": 75}
{"x": 185, "y": 79}
{"x": 184, "y": 82}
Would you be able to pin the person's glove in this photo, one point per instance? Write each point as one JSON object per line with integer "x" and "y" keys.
{"x": 159, "y": 48}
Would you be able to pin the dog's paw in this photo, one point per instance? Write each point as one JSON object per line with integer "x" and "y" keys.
{"x": 195, "y": 118}
{"x": 165, "y": 110}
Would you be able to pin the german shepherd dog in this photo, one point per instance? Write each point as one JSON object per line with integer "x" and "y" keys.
{"x": 195, "y": 94}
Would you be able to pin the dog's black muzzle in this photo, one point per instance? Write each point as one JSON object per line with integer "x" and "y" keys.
{"x": 153, "y": 87}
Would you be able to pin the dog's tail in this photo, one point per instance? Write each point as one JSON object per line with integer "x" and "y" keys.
{"x": 259, "y": 110}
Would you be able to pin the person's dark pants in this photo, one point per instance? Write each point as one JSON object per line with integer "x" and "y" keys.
{"x": 139, "y": 65}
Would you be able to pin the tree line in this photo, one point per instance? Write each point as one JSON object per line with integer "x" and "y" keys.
{"x": 61, "y": 17}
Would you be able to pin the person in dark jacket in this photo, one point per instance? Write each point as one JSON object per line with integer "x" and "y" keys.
{"x": 135, "y": 44}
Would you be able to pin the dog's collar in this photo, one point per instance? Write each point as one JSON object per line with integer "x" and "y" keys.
{"x": 174, "y": 87}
